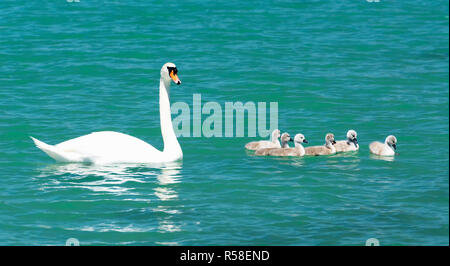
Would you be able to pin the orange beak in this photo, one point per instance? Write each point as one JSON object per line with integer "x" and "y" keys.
{"x": 175, "y": 78}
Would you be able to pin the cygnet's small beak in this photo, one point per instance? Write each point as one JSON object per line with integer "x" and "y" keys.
{"x": 355, "y": 141}
{"x": 333, "y": 142}
{"x": 305, "y": 141}
{"x": 175, "y": 78}
{"x": 291, "y": 139}
{"x": 394, "y": 146}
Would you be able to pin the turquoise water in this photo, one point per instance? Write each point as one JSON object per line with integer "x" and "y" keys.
{"x": 68, "y": 69}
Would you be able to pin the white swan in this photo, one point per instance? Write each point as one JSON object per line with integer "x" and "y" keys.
{"x": 113, "y": 147}
{"x": 384, "y": 149}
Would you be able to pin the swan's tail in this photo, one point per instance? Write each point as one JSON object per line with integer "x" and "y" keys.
{"x": 53, "y": 151}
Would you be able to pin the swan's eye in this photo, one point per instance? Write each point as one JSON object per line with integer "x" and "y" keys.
{"x": 172, "y": 69}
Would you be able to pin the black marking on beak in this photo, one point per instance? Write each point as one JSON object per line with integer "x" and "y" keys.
{"x": 355, "y": 141}
{"x": 291, "y": 139}
{"x": 305, "y": 141}
{"x": 394, "y": 146}
{"x": 333, "y": 142}
{"x": 174, "y": 69}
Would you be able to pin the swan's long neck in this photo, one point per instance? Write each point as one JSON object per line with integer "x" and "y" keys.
{"x": 300, "y": 147}
{"x": 276, "y": 141}
{"x": 330, "y": 146}
{"x": 350, "y": 142}
{"x": 388, "y": 147}
{"x": 284, "y": 144}
{"x": 171, "y": 145}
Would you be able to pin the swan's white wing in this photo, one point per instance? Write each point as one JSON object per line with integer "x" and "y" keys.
{"x": 343, "y": 146}
{"x": 109, "y": 146}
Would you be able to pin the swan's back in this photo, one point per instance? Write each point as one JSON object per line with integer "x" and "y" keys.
{"x": 343, "y": 146}
{"x": 318, "y": 150}
{"x": 109, "y": 146}
{"x": 264, "y": 151}
{"x": 262, "y": 144}
{"x": 285, "y": 152}
{"x": 379, "y": 148}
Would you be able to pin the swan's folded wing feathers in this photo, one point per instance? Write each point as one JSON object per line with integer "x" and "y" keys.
{"x": 341, "y": 145}
{"x": 107, "y": 144}
{"x": 264, "y": 151}
{"x": 317, "y": 150}
{"x": 56, "y": 153}
{"x": 284, "y": 152}
{"x": 376, "y": 147}
{"x": 262, "y": 144}
{"x": 252, "y": 145}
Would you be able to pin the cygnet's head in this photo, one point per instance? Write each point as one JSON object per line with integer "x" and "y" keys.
{"x": 351, "y": 136}
{"x": 276, "y": 134}
{"x": 329, "y": 138}
{"x": 285, "y": 137}
{"x": 169, "y": 72}
{"x": 299, "y": 138}
{"x": 391, "y": 141}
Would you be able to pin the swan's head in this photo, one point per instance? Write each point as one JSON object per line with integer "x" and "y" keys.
{"x": 351, "y": 136}
{"x": 285, "y": 138}
{"x": 391, "y": 141}
{"x": 300, "y": 138}
{"x": 276, "y": 134}
{"x": 329, "y": 139}
{"x": 169, "y": 72}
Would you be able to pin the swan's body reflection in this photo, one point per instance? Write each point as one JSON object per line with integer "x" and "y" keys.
{"x": 153, "y": 184}
{"x": 383, "y": 158}
{"x": 345, "y": 160}
{"x": 169, "y": 175}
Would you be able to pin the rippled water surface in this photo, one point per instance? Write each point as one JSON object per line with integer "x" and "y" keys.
{"x": 68, "y": 69}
